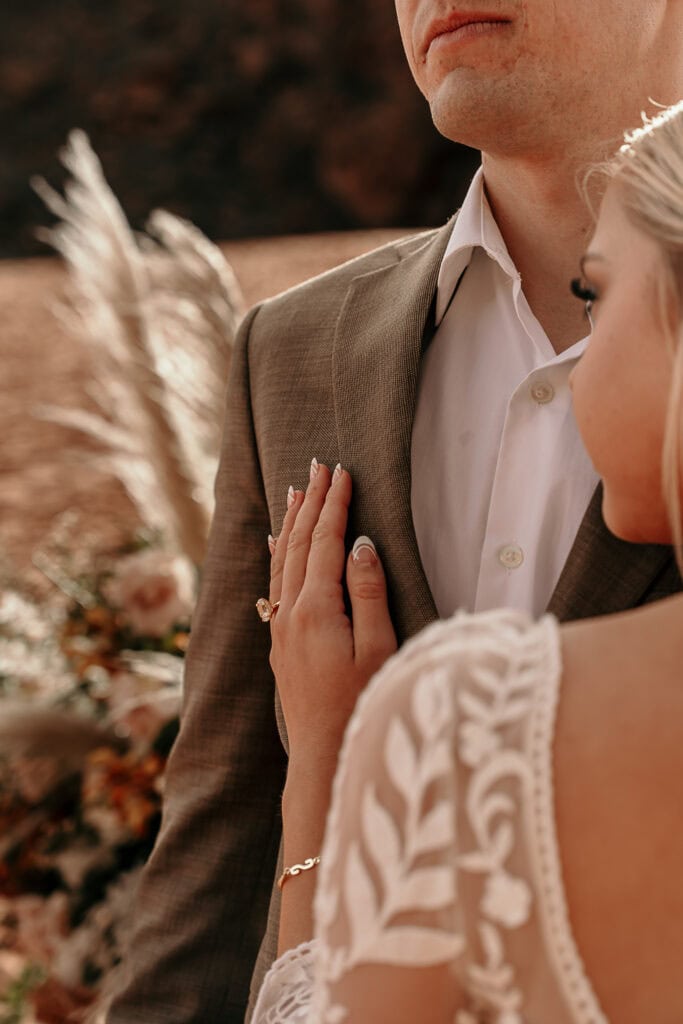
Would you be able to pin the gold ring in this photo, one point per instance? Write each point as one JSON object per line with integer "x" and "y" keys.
{"x": 265, "y": 609}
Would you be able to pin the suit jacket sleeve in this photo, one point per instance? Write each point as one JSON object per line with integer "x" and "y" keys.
{"x": 204, "y": 895}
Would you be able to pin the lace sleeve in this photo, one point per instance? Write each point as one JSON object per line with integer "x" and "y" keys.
{"x": 387, "y": 914}
{"x": 285, "y": 995}
{"x": 425, "y": 909}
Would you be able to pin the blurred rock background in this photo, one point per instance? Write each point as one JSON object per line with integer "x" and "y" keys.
{"x": 251, "y": 118}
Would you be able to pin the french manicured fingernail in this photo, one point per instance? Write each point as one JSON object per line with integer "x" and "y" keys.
{"x": 315, "y": 468}
{"x": 290, "y": 497}
{"x": 364, "y": 552}
{"x": 271, "y": 543}
{"x": 337, "y": 472}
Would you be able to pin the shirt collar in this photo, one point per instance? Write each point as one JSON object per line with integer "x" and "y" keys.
{"x": 474, "y": 226}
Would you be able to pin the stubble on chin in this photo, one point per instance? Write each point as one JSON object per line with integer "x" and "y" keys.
{"x": 493, "y": 116}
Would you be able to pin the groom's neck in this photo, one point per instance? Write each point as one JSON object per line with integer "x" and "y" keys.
{"x": 546, "y": 225}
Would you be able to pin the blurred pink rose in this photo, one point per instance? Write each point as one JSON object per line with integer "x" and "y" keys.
{"x": 139, "y": 708}
{"x": 42, "y": 925}
{"x": 142, "y": 720}
{"x": 154, "y": 590}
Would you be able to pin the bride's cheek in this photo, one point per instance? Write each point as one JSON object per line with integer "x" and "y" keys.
{"x": 582, "y": 388}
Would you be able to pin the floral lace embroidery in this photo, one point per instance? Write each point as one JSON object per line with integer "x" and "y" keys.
{"x": 285, "y": 995}
{"x": 501, "y": 683}
{"x": 481, "y": 690}
{"x": 378, "y": 931}
{"x": 544, "y": 848}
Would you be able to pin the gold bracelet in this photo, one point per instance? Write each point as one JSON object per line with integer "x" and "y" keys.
{"x": 296, "y": 869}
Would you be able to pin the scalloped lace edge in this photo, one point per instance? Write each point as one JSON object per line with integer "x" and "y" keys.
{"x": 544, "y": 845}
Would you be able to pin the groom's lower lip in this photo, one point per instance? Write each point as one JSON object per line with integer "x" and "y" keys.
{"x": 460, "y": 29}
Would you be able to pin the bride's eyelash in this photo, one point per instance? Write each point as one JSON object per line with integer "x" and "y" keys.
{"x": 583, "y": 291}
{"x": 587, "y": 294}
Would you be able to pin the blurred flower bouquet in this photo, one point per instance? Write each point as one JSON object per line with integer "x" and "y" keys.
{"x": 91, "y": 681}
{"x": 91, "y": 677}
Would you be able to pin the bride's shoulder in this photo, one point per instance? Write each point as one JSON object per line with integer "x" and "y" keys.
{"x": 620, "y": 661}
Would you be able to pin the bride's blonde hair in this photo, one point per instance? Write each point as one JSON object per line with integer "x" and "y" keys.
{"x": 648, "y": 170}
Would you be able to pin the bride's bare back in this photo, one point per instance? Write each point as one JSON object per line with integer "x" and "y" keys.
{"x": 619, "y": 797}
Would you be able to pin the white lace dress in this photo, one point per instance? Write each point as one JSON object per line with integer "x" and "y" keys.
{"x": 440, "y": 894}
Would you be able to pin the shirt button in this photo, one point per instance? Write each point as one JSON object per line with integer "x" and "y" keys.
{"x": 511, "y": 556}
{"x": 542, "y": 392}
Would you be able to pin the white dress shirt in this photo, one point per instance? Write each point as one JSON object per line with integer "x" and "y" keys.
{"x": 500, "y": 478}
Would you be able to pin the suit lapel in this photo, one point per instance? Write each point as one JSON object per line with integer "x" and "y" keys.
{"x": 604, "y": 575}
{"x": 379, "y": 341}
{"x": 383, "y": 327}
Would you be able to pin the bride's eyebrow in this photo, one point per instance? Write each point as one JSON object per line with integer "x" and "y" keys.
{"x": 589, "y": 257}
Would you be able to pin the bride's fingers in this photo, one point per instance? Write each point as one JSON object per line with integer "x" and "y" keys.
{"x": 373, "y": 633}
{"x": 299, "y": 541}
{"x": 279, "y": 548}
{"x": 327, "y": 556}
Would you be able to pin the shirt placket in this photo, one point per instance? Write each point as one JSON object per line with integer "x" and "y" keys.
{"x": 507, "y": 572}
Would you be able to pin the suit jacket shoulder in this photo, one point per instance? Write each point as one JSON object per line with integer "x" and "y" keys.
{"x": 312, "y": 307}
{"x": 338, "y": 279}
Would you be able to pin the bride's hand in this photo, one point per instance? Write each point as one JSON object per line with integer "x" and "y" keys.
{"x": 321, "y": 658}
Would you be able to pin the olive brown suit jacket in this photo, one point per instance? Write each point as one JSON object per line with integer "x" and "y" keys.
{"x": 329, "y": 369}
